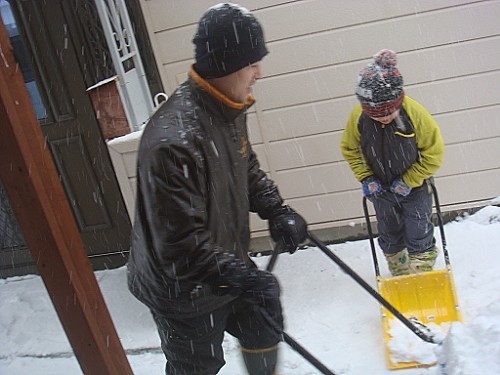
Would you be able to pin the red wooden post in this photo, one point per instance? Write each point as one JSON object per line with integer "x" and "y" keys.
{"x": 43, "y": 212}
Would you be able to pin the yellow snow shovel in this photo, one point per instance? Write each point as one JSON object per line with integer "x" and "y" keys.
{"x": 428, "y": 297}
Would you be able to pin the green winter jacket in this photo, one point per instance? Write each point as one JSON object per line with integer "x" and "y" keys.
{"x": 411, "y": 147}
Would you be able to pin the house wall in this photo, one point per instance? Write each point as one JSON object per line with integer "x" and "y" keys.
{"x": 449, "y": 55}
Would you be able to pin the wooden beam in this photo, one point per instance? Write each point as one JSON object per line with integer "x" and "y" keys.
{"x": 44, "y": 215}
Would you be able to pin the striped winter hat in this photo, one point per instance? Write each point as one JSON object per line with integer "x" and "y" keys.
{"x": 380, "y": 85}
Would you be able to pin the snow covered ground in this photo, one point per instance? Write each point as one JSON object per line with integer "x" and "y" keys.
{"x": 326, "y": 312}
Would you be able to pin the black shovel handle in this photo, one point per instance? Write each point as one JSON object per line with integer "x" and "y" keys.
{"x": 370, "y": 237}
{"x": 440, "y": 223}
{"x": 307, "y": 355}
{"x": 296, "y": 346}
{"x": 370, "y": 290}
{"x": 274, "y": 256}
{"x": 287, "y": 338}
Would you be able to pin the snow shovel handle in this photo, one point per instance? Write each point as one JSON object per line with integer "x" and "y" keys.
{"x": 370, "y": 290}
{"x": 274, "y": 256}
{"x": 440, "y": 222}
{"x": 370, "y": 237}
{"x": 296, "y": 346}
{"x": 287, "y": 338}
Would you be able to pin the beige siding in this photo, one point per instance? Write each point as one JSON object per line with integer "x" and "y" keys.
{"x": 449, "y": 55}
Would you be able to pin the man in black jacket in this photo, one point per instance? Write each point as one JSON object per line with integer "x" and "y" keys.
{"x": 197, "y": 180}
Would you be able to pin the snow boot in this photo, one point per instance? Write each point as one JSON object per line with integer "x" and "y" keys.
{"x": 398, "y": 263}
{"x": 261, "y": 361}
{"x": 424, "y": 261}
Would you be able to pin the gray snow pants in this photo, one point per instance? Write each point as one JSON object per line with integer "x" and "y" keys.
{"x": 405, "y": 222}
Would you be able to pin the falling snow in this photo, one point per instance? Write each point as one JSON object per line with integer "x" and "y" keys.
{"x": 325, "y": 311}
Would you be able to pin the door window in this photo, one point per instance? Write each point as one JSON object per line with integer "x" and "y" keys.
{"x": 22, "y": 59}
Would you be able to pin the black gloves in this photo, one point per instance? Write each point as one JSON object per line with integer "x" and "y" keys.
{"x": 288, "y": 228}
{"x": 265, "y": 292}
{"x": 258, "y": 287}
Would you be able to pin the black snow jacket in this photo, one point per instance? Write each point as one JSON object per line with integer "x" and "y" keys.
{"x": 197, "y": 180}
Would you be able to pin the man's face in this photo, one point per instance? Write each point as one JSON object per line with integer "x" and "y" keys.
{"x": 237, "y": 86}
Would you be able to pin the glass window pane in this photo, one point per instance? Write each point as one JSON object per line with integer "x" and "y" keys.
{"x": 22, "y": 58}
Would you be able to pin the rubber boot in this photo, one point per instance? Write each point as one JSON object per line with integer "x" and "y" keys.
{"x": 398, "y": 263}
{"x": 424, "y": 261}
{"x": 261, "y": 361}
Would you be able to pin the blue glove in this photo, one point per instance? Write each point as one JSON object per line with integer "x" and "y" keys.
{"x": 371, "y": 186}
{"x": 399, "y": 187}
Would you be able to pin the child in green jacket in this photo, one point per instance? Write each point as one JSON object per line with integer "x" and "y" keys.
{"x": 394, "y": 146}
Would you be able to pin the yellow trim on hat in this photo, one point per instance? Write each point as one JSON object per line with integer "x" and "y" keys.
{"x": 217, "y": 94}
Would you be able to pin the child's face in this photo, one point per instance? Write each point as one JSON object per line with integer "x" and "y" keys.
{"x": 387, "y": 119}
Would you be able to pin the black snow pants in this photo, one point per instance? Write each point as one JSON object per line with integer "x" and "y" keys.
{"x": 193, "y": 346}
